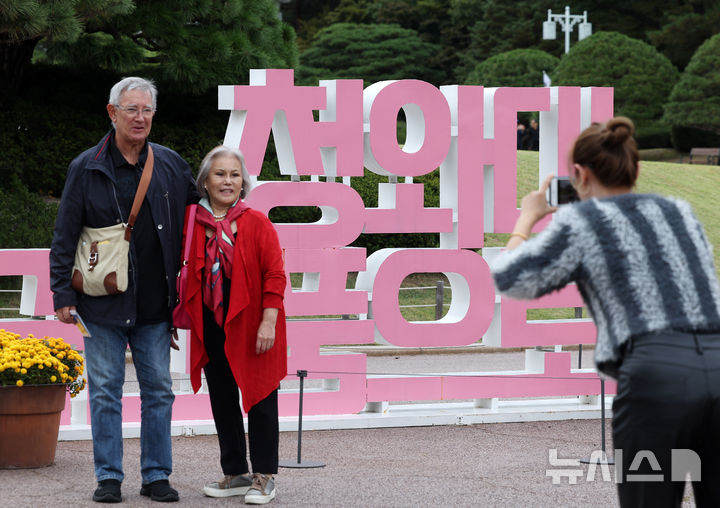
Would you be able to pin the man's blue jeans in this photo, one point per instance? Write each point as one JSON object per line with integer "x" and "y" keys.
{"x": 105, "y": 368}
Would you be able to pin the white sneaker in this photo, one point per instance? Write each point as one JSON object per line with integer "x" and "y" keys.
{"x": 230, "y": 485}
{"x": 263, "y": 489}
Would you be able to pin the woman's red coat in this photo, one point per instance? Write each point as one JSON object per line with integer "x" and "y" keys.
{"x": 258, "y": 282}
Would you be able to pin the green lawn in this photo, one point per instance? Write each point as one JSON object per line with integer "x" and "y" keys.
{"x": 696, "y": 183}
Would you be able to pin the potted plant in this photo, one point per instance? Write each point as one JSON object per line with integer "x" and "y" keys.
{"x": 34, "y": 376}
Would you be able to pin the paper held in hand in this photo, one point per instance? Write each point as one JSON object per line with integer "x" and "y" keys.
{"x": 80, "y": 323}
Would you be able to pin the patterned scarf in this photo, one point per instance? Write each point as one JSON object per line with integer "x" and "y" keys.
{"x": 219, "y": 249}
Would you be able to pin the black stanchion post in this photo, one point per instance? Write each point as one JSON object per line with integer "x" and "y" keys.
{"x": 602, "y": 419}
{"x": 439, "y": 299}
{"x": 605, "y": 459}
{"x": 578, "y": 315}
{"x": 579, "y": 356}
{"x": 302, "y": 374}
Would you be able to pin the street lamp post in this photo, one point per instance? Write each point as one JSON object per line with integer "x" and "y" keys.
{"x": 567, "y": 22}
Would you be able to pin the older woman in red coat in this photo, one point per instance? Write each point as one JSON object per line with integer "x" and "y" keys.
{"x": 236, "y": 283}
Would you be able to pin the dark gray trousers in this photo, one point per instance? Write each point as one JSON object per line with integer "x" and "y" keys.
{"x": 668, "y": 398}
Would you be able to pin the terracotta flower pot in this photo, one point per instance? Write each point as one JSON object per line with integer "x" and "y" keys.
{"x": 29, "y": 424}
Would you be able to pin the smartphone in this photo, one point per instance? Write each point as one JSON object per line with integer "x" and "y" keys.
{"x": 561, "y": 191}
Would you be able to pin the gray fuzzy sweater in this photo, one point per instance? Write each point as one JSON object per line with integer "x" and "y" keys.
{"x": 641, "y": 262}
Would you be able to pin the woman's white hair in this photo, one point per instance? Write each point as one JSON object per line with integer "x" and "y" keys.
{"x": 207, "y": 162}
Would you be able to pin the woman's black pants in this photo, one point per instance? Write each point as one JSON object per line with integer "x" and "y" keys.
{"x": 263, "y": 427}
{"x": 666, "y": 419}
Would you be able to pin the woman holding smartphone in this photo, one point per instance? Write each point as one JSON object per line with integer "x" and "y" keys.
{"x": 645, "y": 270}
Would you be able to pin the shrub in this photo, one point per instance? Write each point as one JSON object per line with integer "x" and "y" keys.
{"x": 26, "y": 220}
{"x": 656, "y": 135}
{"x": 642, "y": 77}
{"x": 519, "y": 67}
{"x": 685, "y": 138}
{"x": 694, "y": 104}
{"x": 47, "y": 127}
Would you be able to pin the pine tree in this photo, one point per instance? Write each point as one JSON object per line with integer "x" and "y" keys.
{"x": 24, "y": 23}
{"x": 195, "y": 44}
{"x": 370, "y": 52}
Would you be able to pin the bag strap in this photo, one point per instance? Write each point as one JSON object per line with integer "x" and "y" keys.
{"x": 189, "y": 234}
{"x": 140, "y": 192}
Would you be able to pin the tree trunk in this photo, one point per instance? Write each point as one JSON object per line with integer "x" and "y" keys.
{"x": 15, "y": 56}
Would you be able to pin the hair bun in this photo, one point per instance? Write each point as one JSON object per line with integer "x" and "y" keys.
{"x": 617, "y": 132}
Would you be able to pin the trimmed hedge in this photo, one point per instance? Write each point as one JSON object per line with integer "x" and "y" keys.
{"x": 686, "y": 138}
{"x": 519, "y": 67}
{"x": 694, "y": 105}
{"x": 642, "y": 77}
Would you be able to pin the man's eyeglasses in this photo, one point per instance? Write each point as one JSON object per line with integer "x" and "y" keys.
{"x": 134, "y": 110}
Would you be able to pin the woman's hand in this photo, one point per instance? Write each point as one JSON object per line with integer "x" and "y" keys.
{"x": 266, "y": 331}
{"x": 174, "y": 341}
{"x": 534, "y": 207}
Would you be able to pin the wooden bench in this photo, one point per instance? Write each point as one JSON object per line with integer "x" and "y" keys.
{"x": 710, "y": 156}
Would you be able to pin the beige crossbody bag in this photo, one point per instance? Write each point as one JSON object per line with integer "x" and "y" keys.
{"x": 101, "y": 258}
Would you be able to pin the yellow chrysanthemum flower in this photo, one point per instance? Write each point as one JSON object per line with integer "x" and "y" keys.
{"x": 30, "y": 361}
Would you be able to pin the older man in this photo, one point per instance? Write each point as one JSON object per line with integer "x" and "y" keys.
{"x": 99, "y": 192}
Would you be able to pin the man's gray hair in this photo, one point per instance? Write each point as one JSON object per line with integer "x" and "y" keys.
{"x": 207, "y": 162}
{"x": 133, "y": 83}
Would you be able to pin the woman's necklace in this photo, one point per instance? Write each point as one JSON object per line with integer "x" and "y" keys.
{"x": 220, "y": 217}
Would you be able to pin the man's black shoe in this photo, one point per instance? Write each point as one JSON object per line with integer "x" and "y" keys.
{"x": 108, "y": 491}
{"x": 160, "y": 490}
